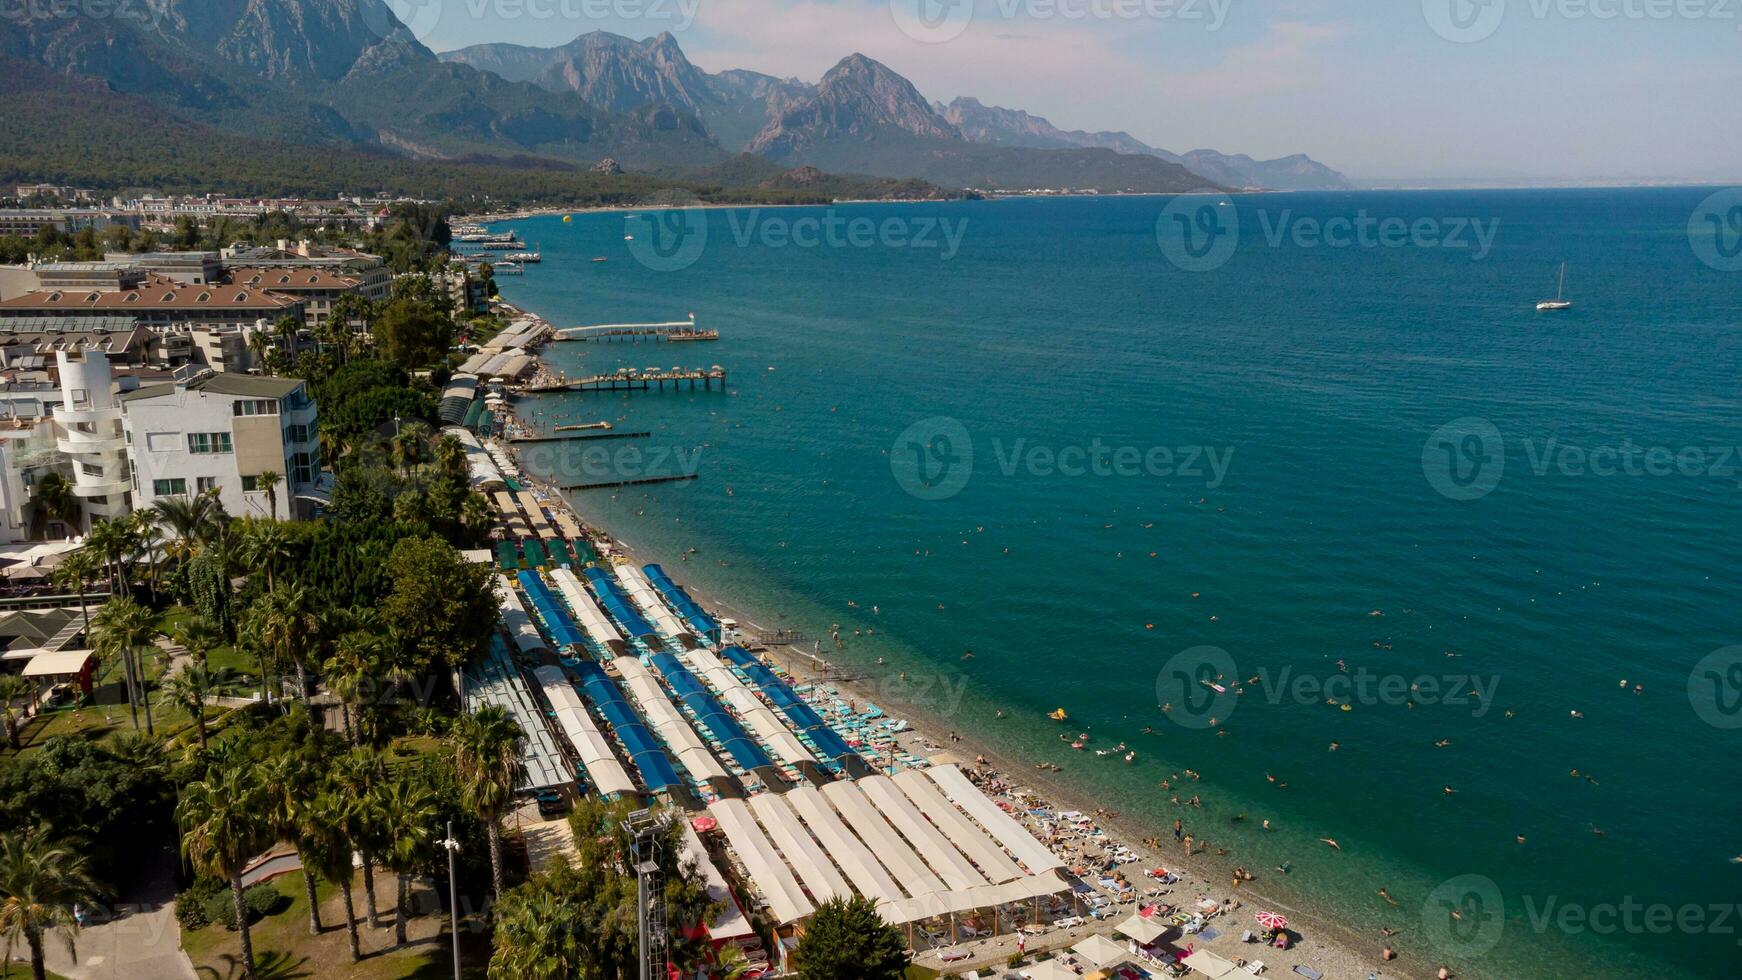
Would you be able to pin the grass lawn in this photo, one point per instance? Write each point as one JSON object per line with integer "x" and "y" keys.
{"x": 283, "y": 947}
{"x": 21, "y": 971}
{"x": 110, "y": 716}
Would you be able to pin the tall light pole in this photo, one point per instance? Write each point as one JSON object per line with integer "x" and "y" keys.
{"x": 453, "y": 847}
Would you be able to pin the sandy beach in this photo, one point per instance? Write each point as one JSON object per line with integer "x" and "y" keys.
{"x": 1145, "y": 840}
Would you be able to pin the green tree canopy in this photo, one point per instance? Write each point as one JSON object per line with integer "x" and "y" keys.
{"x": 848, "y": 940}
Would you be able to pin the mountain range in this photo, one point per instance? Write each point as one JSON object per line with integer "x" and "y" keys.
{"x": 861, "y": 114}
{"x": 346, "y": 75}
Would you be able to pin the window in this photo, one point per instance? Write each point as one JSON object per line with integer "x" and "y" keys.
{"x": 302, "y": 468}
{"x": 207, "y": 443}
{"x": 250, "y": 484}
{"x": 300, "y": 433}
{"x": 169, "y": 488}
{"x": 256, "y": 406}
{"x": 204, "y": 483}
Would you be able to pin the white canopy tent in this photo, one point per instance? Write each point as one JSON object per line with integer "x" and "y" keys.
{"x": 592, "y": 618}
{"x": 1002, "y": 826}
{"x": 849, "y": 854}
{"x": 521, "y": 629}
{"x": 641, "y": 590}
{"x": 603, "y": 770}
{"x": 1050, "y": 970}
{"x": 689, "y": 748}
{"x": 1210, "y": 965}
{"x": 747, "y": 706}
{"x": 962, "y": 832}
{"x": 786, "y": 900}
{"x": 730, "y": 922}
{"x": 910, "y": 872}
{"x": 1143, "y": 930}
{"x": 1100, "y": 950}
{"x": 927, "y": 840}
{"x": 814, "y": 867}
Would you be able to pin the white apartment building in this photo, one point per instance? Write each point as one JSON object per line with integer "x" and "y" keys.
{"x": 88, "y": 432}
{"x": 220, "y": 432}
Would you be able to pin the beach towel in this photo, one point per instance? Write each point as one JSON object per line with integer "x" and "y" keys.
{"x": 1309, "y": 973}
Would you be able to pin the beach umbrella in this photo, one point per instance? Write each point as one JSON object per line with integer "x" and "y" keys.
{"x": 1271, "y": 920}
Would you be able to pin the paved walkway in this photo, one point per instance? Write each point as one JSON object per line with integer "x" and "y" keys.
{"x": 141, "y": 942}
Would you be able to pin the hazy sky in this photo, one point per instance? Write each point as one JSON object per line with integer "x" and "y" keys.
{"x": 1372, "y": 87}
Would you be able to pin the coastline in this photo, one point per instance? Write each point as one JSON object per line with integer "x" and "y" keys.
{"x": 1333, "y": 948}
{"x": 1336, "y": 948}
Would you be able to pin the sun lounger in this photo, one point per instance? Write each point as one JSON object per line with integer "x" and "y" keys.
{"x": 1255, "y": 967}
{"x": 1309, "y": 973}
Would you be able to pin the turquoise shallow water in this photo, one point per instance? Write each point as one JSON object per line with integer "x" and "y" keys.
{"x": 1317, "y": 375}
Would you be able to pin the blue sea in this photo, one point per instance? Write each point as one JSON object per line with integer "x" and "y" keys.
{"x": 1439, "y": 551}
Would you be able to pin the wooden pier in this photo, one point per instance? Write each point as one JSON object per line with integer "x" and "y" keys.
{"x": 614, "y": 484}
{"x": 631, "y": 380}
{"x": 676, "y": 331}
{"x": 579, "y": 437}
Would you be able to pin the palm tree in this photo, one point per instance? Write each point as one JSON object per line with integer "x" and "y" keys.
{"x": 291, "y": 788}
{"x": 487, "y": 761}
{"x": 451, "y": 458}
{"x": 55, "y": 500}
{"x": 361, "y": 772}
{"x": 13, "y": 688}
{"x": 326, "y": 851}
{"x": 148, "y": 536}
{"x": 123, "y": 628}
{"x": 408, "y": 813}
{"x": 189, "y": 689}
{"x": 331, "y": 447}
{"x": 76, "y": 570}
{"x": 192, "y": 520}
{"x": 40, "y": 882}
{"x": 199, "y": 636}
{"x": 268, "y": 480}
{"x": 222, "y": 829}
{"x": 476, "y": 515}
{"x": 115, "y": 544}
{"x": 289, "y": 625}
{"x": 265, "y": 547}
{"x": 408, "y": 439}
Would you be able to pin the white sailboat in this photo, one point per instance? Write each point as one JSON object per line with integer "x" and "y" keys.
{"x": 1560, "y": 302}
